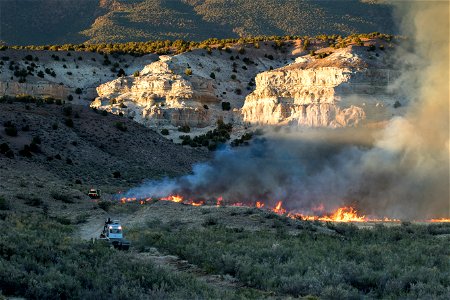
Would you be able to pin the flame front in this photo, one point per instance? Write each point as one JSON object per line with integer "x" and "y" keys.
{"x": 341, "y": 214}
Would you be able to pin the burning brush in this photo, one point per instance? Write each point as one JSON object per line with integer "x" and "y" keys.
{"x": 341, "y": 214}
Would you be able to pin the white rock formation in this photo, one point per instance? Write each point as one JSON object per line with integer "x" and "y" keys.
{"x": 337, "y": 91}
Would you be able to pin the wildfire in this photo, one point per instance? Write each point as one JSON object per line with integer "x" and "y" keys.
{"x": 341, "y": 214}
{"x": 173, "y": 198}
{"x": 278, "y": 209}
{"x": 440, "y": 220}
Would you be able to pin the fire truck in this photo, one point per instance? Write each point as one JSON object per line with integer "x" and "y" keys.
{"x": 112, "y": 233}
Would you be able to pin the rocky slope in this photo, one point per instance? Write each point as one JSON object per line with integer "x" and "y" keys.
{"x": 165, "y": 94}
{"x": 248, "y": 85}
{"x": 59, "y": 74}
{"x": 344, "y": 89}
{"x": 347, "y": 87}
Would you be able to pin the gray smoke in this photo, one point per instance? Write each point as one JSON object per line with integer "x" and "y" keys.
{"x": 401, "y": 171}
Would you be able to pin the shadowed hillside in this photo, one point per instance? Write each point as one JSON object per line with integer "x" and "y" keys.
{"x": 49, "y": 22}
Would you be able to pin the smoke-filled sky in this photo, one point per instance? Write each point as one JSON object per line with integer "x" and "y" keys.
{"x": 401, "y": 171}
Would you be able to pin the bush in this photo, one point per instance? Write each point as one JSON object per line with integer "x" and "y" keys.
{"x": 67, "y": 111}
{"x": 184, "y": 128}
{"x": 10, "y": 129}
{"x": 121, "y": 126}
{"x": 188, "y": 71}
{"x": 61, "y": 197}
{"x": 212, "y": 75}
{"x": 34, "y": 201}
{"x": 226, "y": 106}
{"x": 78, "y": 91}
{"x": 136, "y": 74}
{"x": 164, "y": 131}
{"x": 105, "y": 205}
{"x": 4, "y": 204}
{"x": 397, "y": 104}
{"x": 116, "y": 174}
{"x": 233, "y": 76}
{"x": 69, "y": 122}
{"x": 210, "y": 221}
{"x": 70, "y": 97}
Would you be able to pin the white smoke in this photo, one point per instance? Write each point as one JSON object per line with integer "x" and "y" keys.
{"x": 403, "y": 173}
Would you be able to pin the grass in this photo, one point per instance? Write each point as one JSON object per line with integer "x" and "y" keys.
{"x": 42, "y": 258}
{"x": 384, "y": 262}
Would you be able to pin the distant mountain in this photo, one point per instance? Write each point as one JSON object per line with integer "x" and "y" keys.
{"x": 25, "y": 22}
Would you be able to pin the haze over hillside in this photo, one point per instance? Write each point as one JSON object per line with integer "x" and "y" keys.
{"x": 50, "y": 22}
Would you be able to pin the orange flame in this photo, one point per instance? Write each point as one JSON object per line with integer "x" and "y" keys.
{"x": 278, "y": 209}
{"x": 342, "y": 214}
{"x": 442, "y": 220}
{"x": 173, "y": 198}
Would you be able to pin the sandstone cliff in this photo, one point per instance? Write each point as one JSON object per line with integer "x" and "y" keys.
{"x": 343, "y": 89}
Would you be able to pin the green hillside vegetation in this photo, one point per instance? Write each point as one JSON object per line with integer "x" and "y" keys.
{"x": 47, "y": 22}
{"x": 181, "y": 46}
{"x": 297, "y": 259}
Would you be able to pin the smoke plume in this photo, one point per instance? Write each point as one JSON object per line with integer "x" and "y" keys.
{"x": 401, "y": 171}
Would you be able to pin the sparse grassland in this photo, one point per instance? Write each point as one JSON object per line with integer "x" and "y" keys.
{"x": 407, "y": 261}
{"x": 42, "y": 258}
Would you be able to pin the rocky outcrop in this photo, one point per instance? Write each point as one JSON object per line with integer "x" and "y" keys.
{"x": 338, "y": 92}
{"x": 159, "y": 97}
{"x": 39, "y": 89}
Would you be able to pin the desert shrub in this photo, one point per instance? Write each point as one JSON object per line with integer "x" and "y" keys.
{"x": 66, "y": 198}
{"x": 33, "y": 201}
{"x": 43, "y": 258}
{"x": 4, "y": 204}
{"x": 121, "y": 126}
{"x": 164, "y": 131}
{"x": 209, "y": 221}
{"x": 184, "y": 128}
{"x": 226, "y": 106}
{"x": 188, "y": 71}
{"x": 67, "y": 110}
{"x": 397, "y": 104}
{"x": 212, "y": 75}
{"x": 371, "y": 48}
{"x": 26, "y": 151}
{"x": 383, "y": 262}
{"x": 121, "y": 73}
{"x": 136, "y": 74}
{"x": 68, "y": 122}
{"x": 70, "y": 97}
{"x": 78, "y": 91}
{"x": 104, "y": 113}
{"x": 233, "y": 76}
{"x": 54, "y": 126}
{"x": 10, "y": 129}
{"x": 105, "y": 205}
{"x": 116, "y": 174}
{"x": 4, "y": 147}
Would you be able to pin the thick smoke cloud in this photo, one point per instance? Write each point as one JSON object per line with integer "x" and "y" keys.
{"x": 401, "y": 171}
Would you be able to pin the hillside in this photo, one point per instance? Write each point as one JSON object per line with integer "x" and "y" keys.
{"x": 327, "y": 81}
{"x": 49, "y": 22}
{"x": 69, "y": 157}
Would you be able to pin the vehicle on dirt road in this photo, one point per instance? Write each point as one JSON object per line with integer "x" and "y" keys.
{"x": 94, "y": 193}
{"x": 112, "y": 233}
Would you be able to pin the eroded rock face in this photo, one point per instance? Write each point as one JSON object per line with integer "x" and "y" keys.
{"x": 160, "y": 97}
{"x": 39, "y": 89}
{"x": 331, "y": 95}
